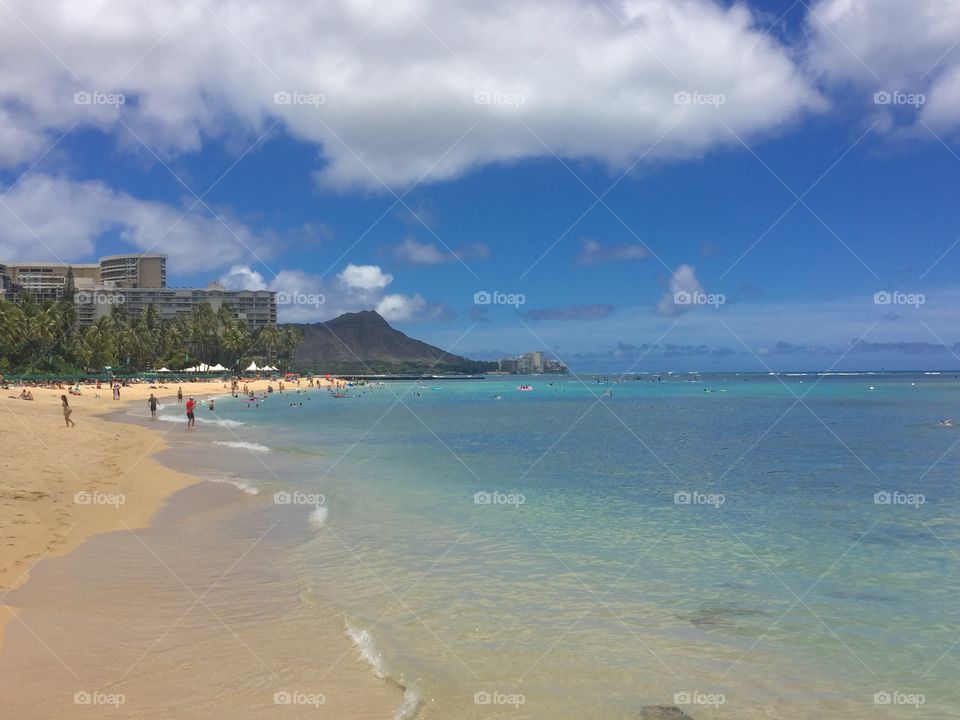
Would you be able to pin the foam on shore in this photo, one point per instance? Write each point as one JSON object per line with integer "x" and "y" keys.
{"x": 373, "y": 655}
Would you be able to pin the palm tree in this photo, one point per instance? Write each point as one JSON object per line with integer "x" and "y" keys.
{"x": 269, "y": 341}
{"x": 98, "y": 344}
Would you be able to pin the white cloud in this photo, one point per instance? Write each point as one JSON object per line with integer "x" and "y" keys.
{"x": 400, "y": 308}
{"x": 418, "y": 253}
{"x": 54, "y": 218}
{"x": 593, "y": 252}
{"x": 364, "y": 277}
{"x": 683, "y": 280}
{"x": 241, "y": 277}
{"x": 423, "y": 89}
{"x": 891, "y": 46}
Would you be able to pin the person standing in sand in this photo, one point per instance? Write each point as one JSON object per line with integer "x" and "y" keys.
{"x": 67, "y": 411}
{"x": 152, "y": 402}
{"x": 179, "y": 395}
{"x": 116, "y": 391}
{"x": 191, "y": 420}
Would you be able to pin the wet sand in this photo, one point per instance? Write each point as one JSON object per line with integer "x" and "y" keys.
{"x": 190, "y": 614}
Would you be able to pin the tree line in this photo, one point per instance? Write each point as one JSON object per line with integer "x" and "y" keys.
{"x": 47, "y": 337}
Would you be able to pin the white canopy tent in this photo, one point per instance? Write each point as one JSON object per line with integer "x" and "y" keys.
{"x": 163, "y": 369}
{"x": 217, "y": 368}
{"x": 252, "y": 367}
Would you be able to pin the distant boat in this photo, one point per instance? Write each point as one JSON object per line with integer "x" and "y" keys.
{"x": 339, "y": 395}
{"x": 524, "y": 388}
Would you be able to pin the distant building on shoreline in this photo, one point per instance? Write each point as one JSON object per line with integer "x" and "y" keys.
{"x": 133, "y": 281}
{"x": 531, "y": 363}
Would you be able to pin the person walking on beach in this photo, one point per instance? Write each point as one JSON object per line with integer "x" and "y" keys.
{"x": 152, "y": 402}
{"x": 67, "y": 411}
{"x": 116, "y": 391}
{"x": 191, "y": 420}
{"x": 179, "y": 395}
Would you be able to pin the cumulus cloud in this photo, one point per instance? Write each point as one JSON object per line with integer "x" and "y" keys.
{"x": 364, "y": 277}
{"x": 55, "y": 218}
{"x": 887, "y": 46}
{"x": 683, "y": 283}
{"x": 424, "y": 90}
{"x": 242, "y": 277}
{"x": 419, "y": 253}
{"x": 400, "y": 308}
{"x": 593, "y": 252}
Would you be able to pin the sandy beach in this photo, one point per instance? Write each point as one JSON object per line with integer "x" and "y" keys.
{"x": 75, "y": 505}
{"x": 45, "y": 464}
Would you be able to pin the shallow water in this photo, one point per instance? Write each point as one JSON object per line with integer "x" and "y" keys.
{"x": 654, "y": 546}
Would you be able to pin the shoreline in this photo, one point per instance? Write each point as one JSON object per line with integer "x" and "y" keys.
{"x": 115, "y": 468}
{"x": 39, "y": 481}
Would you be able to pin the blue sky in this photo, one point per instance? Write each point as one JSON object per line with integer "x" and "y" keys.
{"x": 606, "y": 162}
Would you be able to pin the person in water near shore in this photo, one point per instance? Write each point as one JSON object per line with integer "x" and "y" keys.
{"x": 191, "y": 420}
{"x": 67, "y": 411}
{"x": 211, "y": 405}
{"x": 179, "y": 395}
{"x": 152, "y": 402}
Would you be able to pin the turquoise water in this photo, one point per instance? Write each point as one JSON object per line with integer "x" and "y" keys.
{"x": 717, "y": 541}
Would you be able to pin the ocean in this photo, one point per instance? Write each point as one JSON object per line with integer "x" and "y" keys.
{"x": 738, "y": 546}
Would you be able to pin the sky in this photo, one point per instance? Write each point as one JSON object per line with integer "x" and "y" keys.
{"x": 643, "y": 185}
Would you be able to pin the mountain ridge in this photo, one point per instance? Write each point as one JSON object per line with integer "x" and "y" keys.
{"x": 365, "y": 343}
